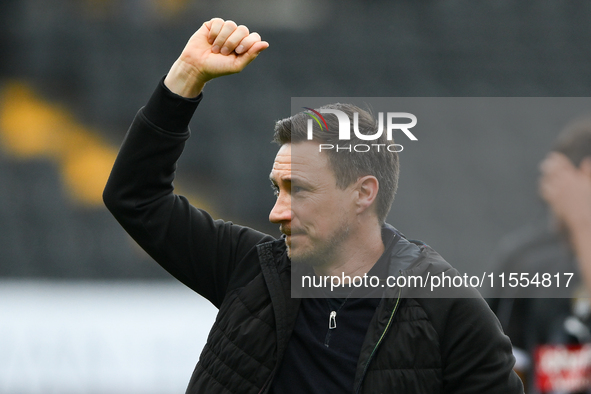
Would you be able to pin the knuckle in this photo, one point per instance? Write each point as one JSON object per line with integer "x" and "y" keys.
{"x": 243, "y": 29}
{"x": 217, "y": 23}
{"x": 231, "y": 23}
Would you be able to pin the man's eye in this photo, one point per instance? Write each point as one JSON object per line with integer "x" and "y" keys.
{"x": 275, "y": 190}
{"x": 296, "y": 189}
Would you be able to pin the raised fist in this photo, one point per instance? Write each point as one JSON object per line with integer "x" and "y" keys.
{"x": 218, "y": 48}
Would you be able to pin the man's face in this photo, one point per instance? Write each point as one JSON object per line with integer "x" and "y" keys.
{"x": 313, "y": 213}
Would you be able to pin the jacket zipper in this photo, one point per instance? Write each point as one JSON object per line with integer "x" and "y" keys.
{"x": 378, "y": 344}
{"x": 332, "y": 324}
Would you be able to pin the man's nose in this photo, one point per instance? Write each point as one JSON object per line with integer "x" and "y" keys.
{"x": 281, "y": 212}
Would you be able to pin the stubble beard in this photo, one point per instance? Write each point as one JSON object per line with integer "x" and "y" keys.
{"x": 320, "y": 254}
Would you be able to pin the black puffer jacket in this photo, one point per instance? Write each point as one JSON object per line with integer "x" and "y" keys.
{"x": 413, "y": 344}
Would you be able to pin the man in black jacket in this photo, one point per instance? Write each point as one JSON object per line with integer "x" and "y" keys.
{"x": 552, "y": 336}
{"x": 331, "y": 212}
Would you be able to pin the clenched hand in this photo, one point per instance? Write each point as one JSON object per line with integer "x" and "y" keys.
{"x": 218, "y": 48}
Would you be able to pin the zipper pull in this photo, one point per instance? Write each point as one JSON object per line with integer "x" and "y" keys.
{"x": 332, "y": 320}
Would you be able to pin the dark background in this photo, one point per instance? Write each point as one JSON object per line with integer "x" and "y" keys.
{"x": 463, "y": 186}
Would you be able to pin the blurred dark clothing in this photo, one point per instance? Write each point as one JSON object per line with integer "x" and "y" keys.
{"x": 535, "y": 325}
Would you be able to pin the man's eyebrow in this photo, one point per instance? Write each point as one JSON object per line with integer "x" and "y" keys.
{"x": 274, "y": 181}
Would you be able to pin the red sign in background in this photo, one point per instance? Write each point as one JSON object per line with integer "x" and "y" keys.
{"x": 563, "y": 368}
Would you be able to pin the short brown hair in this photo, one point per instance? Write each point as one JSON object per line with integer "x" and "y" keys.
{"x": 348, "y": 166}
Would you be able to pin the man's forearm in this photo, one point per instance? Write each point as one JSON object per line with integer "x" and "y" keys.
{"x": 144, "y": 169}
{"x": 139, "y": 191}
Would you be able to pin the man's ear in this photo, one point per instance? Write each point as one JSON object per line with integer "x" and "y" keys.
{"x": 367, "y": 190}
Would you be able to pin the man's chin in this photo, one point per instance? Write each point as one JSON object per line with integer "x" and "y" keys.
{"x": 302, "y": 253}
{"x": 288, "y": 244}
{"x": 300, "y": 257}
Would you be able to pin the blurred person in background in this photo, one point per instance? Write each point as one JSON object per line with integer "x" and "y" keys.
{"x": 264, "y": 340}
{"x": 551, "y": 336}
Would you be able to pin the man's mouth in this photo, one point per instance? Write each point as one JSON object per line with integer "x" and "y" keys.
{"x": 285, "y": 230}
{"x": 289, "y": 232}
